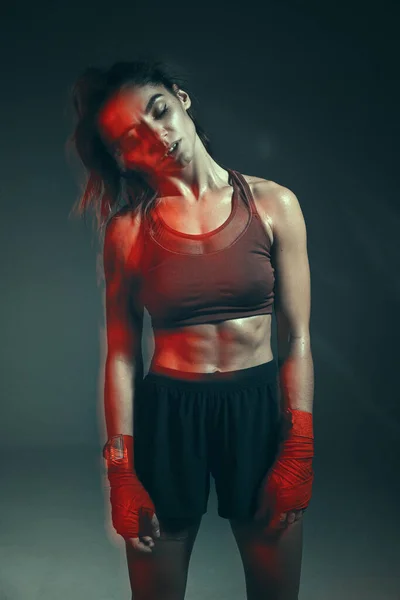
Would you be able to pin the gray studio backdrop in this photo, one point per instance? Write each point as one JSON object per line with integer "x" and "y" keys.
{"x": 298, "y": 97}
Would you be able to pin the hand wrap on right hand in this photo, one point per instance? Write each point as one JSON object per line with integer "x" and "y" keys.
{"x": 127, "y": 495}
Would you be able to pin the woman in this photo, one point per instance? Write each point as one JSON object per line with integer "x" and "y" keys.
{"x": 209, "y": 252}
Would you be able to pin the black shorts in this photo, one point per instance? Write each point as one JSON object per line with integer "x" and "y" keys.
{"x": 223, "y": 424}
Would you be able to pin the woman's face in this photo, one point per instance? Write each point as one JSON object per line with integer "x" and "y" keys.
{"x": 139, "y": 124}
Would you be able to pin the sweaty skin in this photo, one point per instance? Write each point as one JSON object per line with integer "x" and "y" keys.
{"x": 138, "y": 127}
{"x": 227, "y": 346}
{"x": 194, "y": 197}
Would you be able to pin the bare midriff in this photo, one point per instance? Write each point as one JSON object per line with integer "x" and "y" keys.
{"x": 218, "y": 347}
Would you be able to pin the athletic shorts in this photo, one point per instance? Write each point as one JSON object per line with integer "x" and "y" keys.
{"x": 223, "y": 425}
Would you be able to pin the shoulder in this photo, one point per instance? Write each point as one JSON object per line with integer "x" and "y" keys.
{"x": 122, "y": 234}
{"x": 270, "y": 194}
{"x": 124, "y": 218}
{"x": 278, "y": 206}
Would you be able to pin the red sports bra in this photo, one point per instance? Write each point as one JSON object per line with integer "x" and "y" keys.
{"x": 224, "y": 274}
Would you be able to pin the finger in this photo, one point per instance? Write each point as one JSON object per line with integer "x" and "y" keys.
{"x": 276, "y": 523}
{"x": 155, "y": 526}
{"x": 138, "y": 545}
{"x": 148, "y": 540}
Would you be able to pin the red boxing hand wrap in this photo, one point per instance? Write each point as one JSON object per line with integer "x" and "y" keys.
{"x": 288, "y": 484}
{"x": 127, "y": 495}
{"x": 298, "y": 422}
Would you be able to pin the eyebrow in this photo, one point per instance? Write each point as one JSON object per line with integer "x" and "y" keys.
{"x": 148, "y": 108}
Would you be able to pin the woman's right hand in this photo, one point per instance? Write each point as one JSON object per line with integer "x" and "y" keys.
{"x": 133, "y": 513}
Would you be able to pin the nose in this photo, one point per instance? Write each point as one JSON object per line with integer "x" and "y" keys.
{"x": 155, "y": 135}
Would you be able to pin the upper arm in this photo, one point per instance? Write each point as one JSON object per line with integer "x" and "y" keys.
{"x": 290, "y": 258}
{"x": 124, "y": 315}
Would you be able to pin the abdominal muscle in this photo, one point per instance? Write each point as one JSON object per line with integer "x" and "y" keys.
{"x": 214, "y": 347}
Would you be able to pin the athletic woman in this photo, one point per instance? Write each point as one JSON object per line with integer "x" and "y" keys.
{"x": 210, "y": 253}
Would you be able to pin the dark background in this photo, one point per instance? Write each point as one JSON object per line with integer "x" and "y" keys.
{"x": 303, "y": 93}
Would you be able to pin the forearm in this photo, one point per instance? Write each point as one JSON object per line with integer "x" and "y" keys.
{"x": 119, "y": 386}
{"x": 296, "y": 375}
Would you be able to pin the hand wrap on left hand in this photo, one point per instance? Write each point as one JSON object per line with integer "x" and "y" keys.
{"x": 288, "y": 484}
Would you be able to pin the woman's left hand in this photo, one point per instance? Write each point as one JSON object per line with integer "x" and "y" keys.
{"x": 285, "y": 492}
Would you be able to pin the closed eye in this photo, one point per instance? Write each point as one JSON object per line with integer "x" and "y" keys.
{"x": 162, "y": 113}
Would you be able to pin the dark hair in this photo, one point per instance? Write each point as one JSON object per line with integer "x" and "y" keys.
{"x": 106, "y": 186}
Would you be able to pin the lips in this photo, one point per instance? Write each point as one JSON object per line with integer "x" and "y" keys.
{"x": 172, "y": 148}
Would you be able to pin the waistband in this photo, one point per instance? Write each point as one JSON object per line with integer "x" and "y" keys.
{"x": 250, "y": 377}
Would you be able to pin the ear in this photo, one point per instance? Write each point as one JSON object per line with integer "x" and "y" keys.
{"x": 183, "y": 97}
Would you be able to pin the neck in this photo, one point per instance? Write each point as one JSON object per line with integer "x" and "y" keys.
{"x": 198, "y": 178}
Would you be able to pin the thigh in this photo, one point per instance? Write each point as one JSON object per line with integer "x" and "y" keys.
{"x": 271, "y": 561}
{"x": 162, "y": 574}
